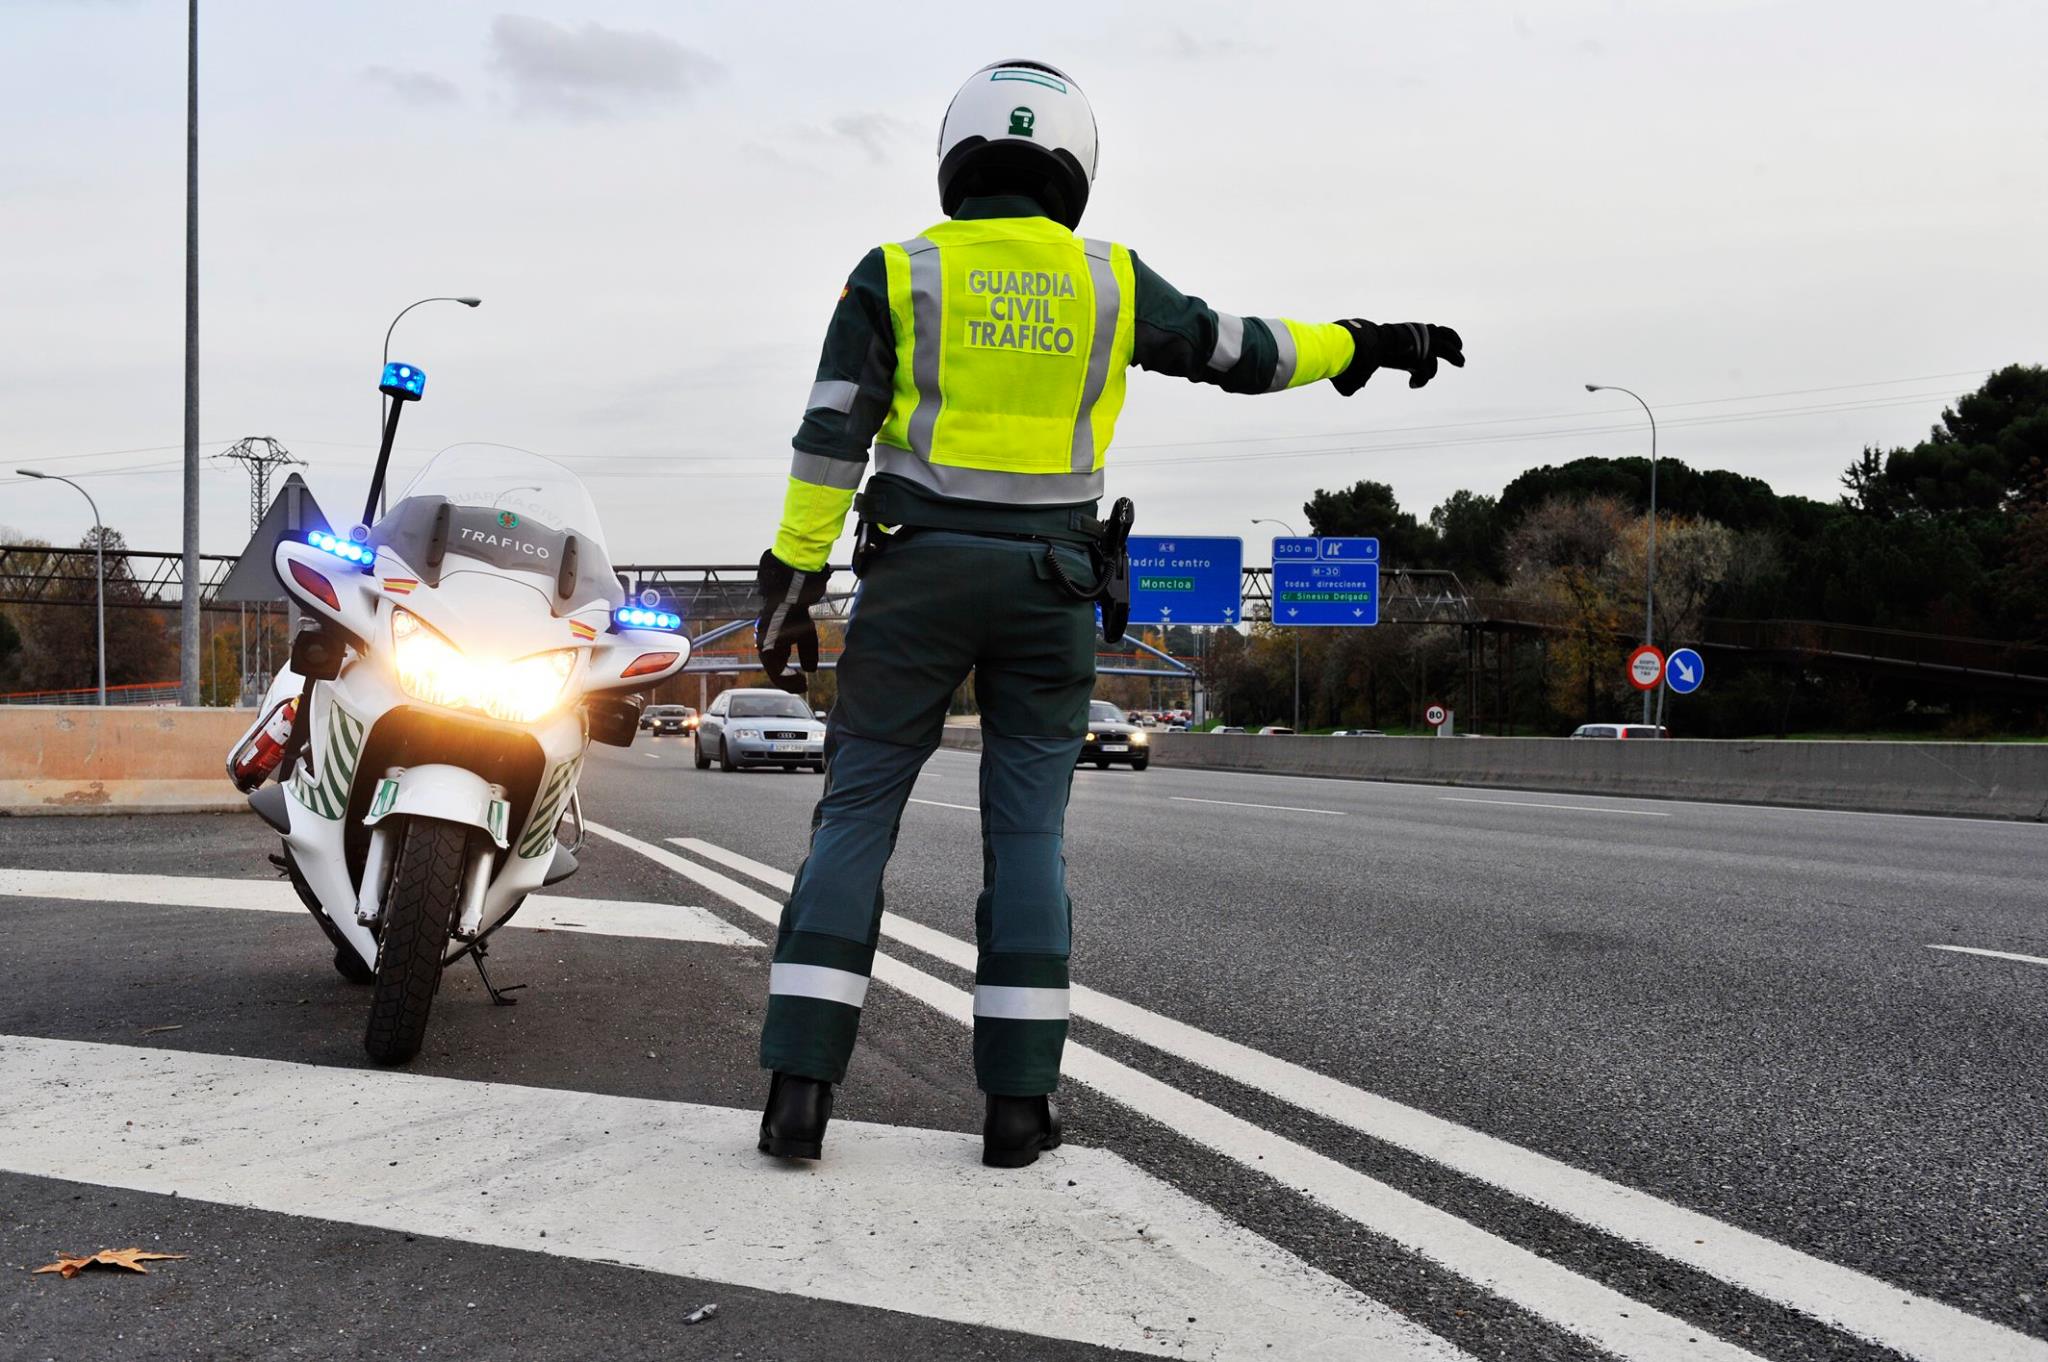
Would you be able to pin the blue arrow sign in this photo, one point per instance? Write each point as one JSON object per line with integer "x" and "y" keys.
{"x": 1685, "y": 671}
{"x": 1338, "y": 586}
{"x": 1184, "y": 580}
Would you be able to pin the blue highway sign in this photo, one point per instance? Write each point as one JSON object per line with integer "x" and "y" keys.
{"x": 1183, "y": 580}
{"x": 1339, "y": 585}
{"x": 1685, "y": 671}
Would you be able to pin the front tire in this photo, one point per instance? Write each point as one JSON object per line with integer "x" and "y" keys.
{"x": 725, "y": 761}
{"x": 703, "y": 762}
{"x": 419, "y": 909}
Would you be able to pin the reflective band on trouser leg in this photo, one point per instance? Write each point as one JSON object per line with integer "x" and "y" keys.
{"x": 1023, "y": 921}
{"x": 1229, "y": 342}
{"x": 1102, "y": 275}
{"x": 928, "y": 336}
{"x": 1283, "y": 340}
{"x": 788, "y": 979}
{"x": 1011, "y": 1003}
{"x": 825, "y": 949}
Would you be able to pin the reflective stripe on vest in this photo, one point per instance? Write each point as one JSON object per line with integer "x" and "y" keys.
{"x": 1012, "y": 341}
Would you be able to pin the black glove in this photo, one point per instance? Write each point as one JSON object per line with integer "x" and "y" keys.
{"x": 1411, "y": 346}
{"x": 785, "y": 621}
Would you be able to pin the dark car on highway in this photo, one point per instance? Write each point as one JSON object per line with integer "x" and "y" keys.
{"x": 669, "y": 719}
{"x": 1113, "y": 738}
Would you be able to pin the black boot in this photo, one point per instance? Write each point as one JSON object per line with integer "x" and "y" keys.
{"x": 1018, "y": 1129}
{"x": 793, "y": 1126}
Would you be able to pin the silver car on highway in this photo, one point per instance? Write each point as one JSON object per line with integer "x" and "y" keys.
{"x": 744, "y": 728}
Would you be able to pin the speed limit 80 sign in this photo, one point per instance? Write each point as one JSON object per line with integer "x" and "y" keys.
{"x": 1645, "y": 668}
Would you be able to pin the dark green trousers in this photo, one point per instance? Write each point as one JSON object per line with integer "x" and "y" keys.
{"x": 929, "y": 611}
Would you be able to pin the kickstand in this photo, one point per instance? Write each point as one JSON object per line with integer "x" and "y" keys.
{"x": 498, "y": 995}
{"x": 282, "y": 869}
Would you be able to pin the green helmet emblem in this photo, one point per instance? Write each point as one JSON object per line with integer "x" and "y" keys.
{"x": 508, "y": 520}
{"x": 1021, "y": 120}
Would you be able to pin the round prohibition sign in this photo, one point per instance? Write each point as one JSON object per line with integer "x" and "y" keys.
{"x": 1435, "y": 715}
{"x": 1646, "y": 667}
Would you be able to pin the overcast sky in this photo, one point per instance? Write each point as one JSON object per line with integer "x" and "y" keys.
{"x": 659, "y": 202}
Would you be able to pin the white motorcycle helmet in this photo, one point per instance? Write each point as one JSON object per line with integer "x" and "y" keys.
{"x": 1019, "y": 127}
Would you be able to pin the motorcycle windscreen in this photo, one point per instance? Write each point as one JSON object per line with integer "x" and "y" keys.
{"x": 506, "y": 508}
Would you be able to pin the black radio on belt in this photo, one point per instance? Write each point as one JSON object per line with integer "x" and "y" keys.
{"x": 1115, "y": 591}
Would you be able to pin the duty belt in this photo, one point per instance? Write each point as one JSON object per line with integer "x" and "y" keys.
{"x": 1105, "y": 540}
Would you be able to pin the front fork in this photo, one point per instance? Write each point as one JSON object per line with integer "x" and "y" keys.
{"x": 382, "y": 858}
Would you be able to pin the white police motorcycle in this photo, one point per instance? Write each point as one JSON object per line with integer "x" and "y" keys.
{"x": 463, "y": 651}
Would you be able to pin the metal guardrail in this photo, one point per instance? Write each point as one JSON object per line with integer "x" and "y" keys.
{"x": 142, "y": 693}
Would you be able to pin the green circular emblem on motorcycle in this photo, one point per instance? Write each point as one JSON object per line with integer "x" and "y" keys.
{"x": 508, "y": 520}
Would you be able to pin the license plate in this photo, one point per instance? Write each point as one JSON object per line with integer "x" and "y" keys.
{"x": 1116, "y": 747}
{"x": 789, "y": 747}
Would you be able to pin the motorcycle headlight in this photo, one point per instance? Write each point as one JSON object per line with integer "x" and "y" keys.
{"x": 433, "y": 670}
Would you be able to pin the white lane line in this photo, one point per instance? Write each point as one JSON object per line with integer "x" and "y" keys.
{"x": 599, "y": 917}
{"x": 893, "y": 1218}
{"x": 1240, "y": 804}
{"x": 1532, "y": 804}
{"x": 1852, "y": 1301}
{"x": 942, "y": 804}
{"x": 1995, "y": 955}
{"x": 1621, "y": 1324}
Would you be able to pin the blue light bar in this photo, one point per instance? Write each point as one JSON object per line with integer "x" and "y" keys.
{"x": 406, "y": 382}
{"x": 635, "y": 617}
{"x": 362, "y": 555}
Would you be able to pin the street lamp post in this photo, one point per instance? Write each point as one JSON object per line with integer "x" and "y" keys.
{"x": 1263, "y": 520}
{"x": 384, "y": 402}
{"x": 99, "y": 556}
{"x": 1650, "y": 577}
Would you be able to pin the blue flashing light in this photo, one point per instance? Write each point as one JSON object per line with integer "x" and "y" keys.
{"x": 636, "y": 617}
{"x": 360, "y": 554}
{"x": 406, "y": 382}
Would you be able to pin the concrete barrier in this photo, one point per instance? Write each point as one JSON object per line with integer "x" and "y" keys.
{"x": 1983, "y": 780}
{"x": 79, "y": 759}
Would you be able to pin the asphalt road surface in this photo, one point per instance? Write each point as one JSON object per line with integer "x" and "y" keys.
{"x": 1357, "y": 1071}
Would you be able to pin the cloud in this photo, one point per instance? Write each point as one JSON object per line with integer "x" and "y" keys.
{"x": 873, "y": 133}
{"x": 1181, "y": 45}
{"x": 421, "y": 89}
{"x": 592, "y": 71}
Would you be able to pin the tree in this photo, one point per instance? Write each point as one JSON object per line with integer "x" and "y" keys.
{"x": 60, "y": 644}
{"x": 1370, "y": 509}
{"x": 1468, "y": 532}
{"x": 1563, "y": 556}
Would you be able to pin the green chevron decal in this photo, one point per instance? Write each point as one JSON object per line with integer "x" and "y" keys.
{"x": 334, "y": 765}
{"x": 547, "y": 810}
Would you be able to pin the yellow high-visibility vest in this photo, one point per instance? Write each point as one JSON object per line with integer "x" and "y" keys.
{"x": 1012, "y": 340}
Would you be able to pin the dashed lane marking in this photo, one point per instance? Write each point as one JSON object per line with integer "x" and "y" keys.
{"x": 1995, "y": 955}
{"x": 600, "y": 917}
{"x": 1240, "y": 804}
{"x": 1620, "y": 1324}
{"x": 893, "y": 1218}
{"x": 1569, "y": 808}
{"x": 1840, "y": 1297}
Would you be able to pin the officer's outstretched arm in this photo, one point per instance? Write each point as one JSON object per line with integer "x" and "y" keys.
{"x": 1182, "y": 335}
{"x": 848, "y": 402}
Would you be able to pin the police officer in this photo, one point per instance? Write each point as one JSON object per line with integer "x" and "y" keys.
{"x": 984, "y": 363}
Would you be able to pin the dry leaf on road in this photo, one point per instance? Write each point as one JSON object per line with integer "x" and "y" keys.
{"x": 69, "y": 1265}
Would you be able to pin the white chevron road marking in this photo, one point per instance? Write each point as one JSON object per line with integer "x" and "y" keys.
{"x": 895, "y": 1218}
{"x": 602, "y": 917}
{"x": 1841, "y": 1297}
{"x": 1620, "y": 1324}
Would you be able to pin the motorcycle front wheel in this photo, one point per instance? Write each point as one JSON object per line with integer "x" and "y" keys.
{"x": 419, "y": 910}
